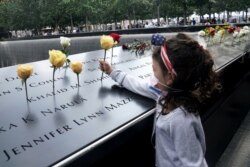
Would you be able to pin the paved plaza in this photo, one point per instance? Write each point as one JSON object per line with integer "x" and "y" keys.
{"x": 237, "y": 154}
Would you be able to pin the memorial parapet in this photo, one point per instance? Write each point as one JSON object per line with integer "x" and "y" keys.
{"x": 54, "y": 125}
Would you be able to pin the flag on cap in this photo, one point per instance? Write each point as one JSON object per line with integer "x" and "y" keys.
{"x": 157, "y": 39}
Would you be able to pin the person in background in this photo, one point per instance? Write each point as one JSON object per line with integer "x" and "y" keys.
{"x": 193, "y": 21}
{"x": 214, "y": 21}
{"x": 146, "y": 25}
{"x": 183, "y": 80}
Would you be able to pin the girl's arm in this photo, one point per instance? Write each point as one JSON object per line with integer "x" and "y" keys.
{"x": 133, "y": 84}
{"x": 129, "y": 82}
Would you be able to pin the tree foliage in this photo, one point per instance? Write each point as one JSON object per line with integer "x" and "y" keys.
{"x": 37, "y": 14}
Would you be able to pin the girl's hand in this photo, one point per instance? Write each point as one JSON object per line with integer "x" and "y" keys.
{"x": 105, "y": 67}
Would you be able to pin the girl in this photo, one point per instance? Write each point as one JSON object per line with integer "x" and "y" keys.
{"x": 184, "y": 80}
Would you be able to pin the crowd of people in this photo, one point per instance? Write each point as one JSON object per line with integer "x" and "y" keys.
{"x": 132, "y": 25}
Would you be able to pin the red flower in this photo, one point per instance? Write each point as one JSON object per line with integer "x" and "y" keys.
{"x": 116, "y": 37}
{"x": 211, "y": 31}
{"x": 231, "y": 30}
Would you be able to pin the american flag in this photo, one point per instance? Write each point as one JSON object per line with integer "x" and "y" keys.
{"x": 157, "y": 40}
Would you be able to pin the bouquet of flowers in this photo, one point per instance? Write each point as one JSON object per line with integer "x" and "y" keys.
{"x": 209, "y": 34}
{"x": 225, "y": 33}
{"x": 138, "y": 46}
{"x": 238, "y": 34}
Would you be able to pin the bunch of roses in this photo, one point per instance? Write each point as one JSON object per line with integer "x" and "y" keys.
{"x": 138, "y": 46}
{"x": 219, "y": 33}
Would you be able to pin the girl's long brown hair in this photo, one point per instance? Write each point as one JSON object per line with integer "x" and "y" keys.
{"x": 196, "y": 77}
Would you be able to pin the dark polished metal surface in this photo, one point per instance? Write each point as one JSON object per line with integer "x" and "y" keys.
{"x": 51, "y": 126}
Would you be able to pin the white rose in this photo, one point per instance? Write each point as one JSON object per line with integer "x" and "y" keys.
{"x": 65, "y": 42}
{"x": 246, "y": 28}
{"x": 201, "y": 33}
{"x": 235, "y": 34}
{"x": 241, "y": 33}
{"x": 246, "y": 31}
